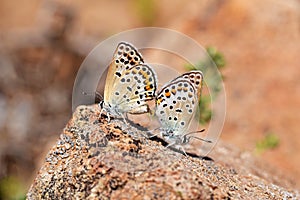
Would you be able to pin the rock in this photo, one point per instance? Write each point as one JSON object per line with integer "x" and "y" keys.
{"x": 94, "y": 159}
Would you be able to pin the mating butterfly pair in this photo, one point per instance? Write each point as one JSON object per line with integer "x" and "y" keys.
{"x": 130, "y": 83}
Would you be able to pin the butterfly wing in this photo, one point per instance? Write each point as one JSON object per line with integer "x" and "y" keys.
{"x": 195, "y": 78}
{"x": 133, "y": 88}
{"x": 176, "y": 105}
{"x": 125, "y": 57}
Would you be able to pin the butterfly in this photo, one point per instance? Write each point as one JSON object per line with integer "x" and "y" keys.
{"x": 130, "y": 83}
{"x": 176, "y": 105}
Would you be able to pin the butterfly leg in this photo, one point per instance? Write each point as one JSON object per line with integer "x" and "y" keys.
{"x": 107, "y": 114}
{"x": 150, "y": 133}
{"x": 108, "y": 117}
{"x": 124, "y": 119}
{"x": 181, "y": 147}
{"x": 171, "y": 144}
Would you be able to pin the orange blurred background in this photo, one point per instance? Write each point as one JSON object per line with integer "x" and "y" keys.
{"x": 43, "y": 44}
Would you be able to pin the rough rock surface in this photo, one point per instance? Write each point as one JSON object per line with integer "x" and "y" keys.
{"x": 94, "y": 159}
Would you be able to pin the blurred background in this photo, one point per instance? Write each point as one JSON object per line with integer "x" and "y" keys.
{"x": 43, "y": 43}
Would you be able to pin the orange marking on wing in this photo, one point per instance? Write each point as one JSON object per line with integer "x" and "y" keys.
{"x": 173, "y": 91}
{"x": 148, "y": 87}
{"x": 134, "y": 71}
{"x": 144, "y": 74}
{"x": 159, "y": 101}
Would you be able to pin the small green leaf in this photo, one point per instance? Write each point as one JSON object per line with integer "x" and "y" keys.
{"x": 11, "y": 188}
{"x": 146, "y": 11}
{"x": 270, "y": 141}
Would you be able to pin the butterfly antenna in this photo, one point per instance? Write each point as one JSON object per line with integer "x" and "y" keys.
{"x": 187, "y": 137}
{"x": 208, "y": 141}
{"x": 195, "y": 132}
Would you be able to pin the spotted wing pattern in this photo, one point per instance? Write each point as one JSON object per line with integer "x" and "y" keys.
{"x": 125, "y": 57}
{"x": 176, "y": 104}
{"x": 129, "y": 83}
{"x": 195, "y": 78}
{"x": 132, "y": 89}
